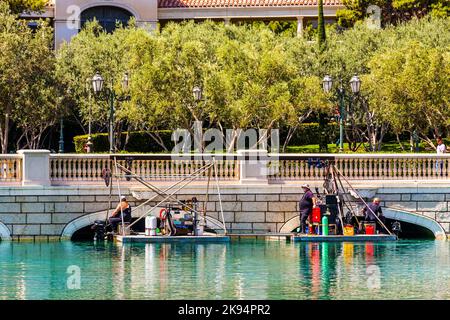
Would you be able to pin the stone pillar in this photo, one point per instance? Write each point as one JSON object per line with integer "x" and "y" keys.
{"x": 226, "y": 21}
{"x": 252, "y": 170}
{"x": 148, "y": 25}
{"x": 35, "y": 167}
{"x": 299, "y": 26}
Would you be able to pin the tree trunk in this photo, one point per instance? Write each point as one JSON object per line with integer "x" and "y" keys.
{"x": 5, "y": 133}
{"x": 289, "y": 136}
{"x": 157, "y": 138}
{"x": 399, "y": 142}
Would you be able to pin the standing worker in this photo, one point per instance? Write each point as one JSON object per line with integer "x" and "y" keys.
{"x": 371, "y": 209}
{"x": 306, "y": 204}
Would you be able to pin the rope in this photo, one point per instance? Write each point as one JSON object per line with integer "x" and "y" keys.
{"x": 218, "y": 192}
{"x": 120, "y": 198}
{"x": 367, "y": 206}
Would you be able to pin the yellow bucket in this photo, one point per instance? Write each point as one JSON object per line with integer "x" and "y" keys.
{"x": 349, "y": 230}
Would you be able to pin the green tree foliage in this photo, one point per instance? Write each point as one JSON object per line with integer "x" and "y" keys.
{"x": 392, "y": 11}
{"x": 27, "y": 83}
{"x": 415, "y": 91}
{"x": 253, "y": 77}
{"x": 385, "y": 59}
{"x": 321, "y": 38}
{"x": 250, "y": 76}
{"x": 19, "y": 6}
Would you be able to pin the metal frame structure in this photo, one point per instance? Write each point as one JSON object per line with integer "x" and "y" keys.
{"x": 168, "y": 193}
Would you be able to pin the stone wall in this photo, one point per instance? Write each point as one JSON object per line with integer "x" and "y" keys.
{"x": 41, "y": 213}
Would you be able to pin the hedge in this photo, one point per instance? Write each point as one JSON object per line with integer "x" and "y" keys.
{"x": 309, "y": 133}
{"x": 140, "y": 141}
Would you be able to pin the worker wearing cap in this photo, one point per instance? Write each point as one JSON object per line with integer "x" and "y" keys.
{"x": 306, "y": 204}
{"x": 116, "y": 216}
{"x": 372, "y": 211}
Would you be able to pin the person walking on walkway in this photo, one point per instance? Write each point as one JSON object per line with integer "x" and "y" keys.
{"x": 306, "y": 204}
{"x": 440, "y": 150}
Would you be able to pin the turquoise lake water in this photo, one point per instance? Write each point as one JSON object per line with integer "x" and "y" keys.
{"x": 239, "y": 270}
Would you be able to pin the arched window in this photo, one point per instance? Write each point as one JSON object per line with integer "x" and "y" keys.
{"x": 107, "y": 16}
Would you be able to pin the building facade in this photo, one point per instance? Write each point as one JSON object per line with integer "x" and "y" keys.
{"x": 68, "y": 16}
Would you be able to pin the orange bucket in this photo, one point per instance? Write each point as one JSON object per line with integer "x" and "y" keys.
{"x": 349, "y": 230}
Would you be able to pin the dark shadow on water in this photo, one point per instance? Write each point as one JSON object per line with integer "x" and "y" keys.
{"x": 412, "y": 231}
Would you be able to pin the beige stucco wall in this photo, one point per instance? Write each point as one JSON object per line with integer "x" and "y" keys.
{"x": 67, "y": 14}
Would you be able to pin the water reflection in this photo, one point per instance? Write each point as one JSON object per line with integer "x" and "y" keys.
{"x": 243, "y": 270}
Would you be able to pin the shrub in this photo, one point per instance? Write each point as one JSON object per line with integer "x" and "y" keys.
{"x": 139, "y": 141}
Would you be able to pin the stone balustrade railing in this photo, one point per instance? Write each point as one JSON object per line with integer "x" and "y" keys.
{"x": 39, "y": 167}
{"x": 89, "y": 168}
{"x": 366, "y": 167}
{"x": 10, "y": 168}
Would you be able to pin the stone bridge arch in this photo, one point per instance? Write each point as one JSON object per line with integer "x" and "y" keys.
{"x": 417, "y": 219}
{"x": 393, "y": 214}
{"x": 88, "y": 219}
{"x": 5, "y": 234}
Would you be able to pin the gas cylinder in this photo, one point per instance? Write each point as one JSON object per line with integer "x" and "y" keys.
{"x": 150, "y": 226}
{"x": 325, "y": 225}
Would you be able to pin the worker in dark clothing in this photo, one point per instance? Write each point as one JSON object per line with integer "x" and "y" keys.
{"x": 306, "y": 204}
{"x": 116, "y": 217}
{"x": 373, "y": 209}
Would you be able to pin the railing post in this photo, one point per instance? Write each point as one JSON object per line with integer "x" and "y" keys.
{"x": 252, "y": 170}
{"x": 35, "y": 167}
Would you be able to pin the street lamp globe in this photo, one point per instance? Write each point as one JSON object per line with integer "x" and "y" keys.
{"x": 197, "y": 93}
{"x": 355, "y": 84}
{"x": 97, "y": 82}
{"x": 327, "y": 83}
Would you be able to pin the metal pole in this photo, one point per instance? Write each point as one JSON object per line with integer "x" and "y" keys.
{"x": 111, "y": 121}
{"x": 61, "y": 136}
{"x": 341, "y": 120}
{"x": 218, "y": 193}
{"x": 89, "y": 140}
{"x": 120, "y": 197}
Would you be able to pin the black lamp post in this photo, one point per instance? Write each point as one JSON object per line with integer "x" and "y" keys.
{"x": 61, "y": 135}
{"x": 355, "y": 85}
{"x": 89, "y": 144}
{"x": 111, "y": 96}
{"x": 198, "y": 93}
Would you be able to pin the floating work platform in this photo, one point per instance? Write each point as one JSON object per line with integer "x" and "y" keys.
{"x": 141, "y": 238}
{"x": 261, "y": 236}
{"x": 342, "y": 238}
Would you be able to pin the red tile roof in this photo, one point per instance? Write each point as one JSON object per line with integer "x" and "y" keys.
{"x": 241, "y": 3}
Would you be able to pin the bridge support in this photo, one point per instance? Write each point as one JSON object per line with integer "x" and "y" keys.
{"x": 417, "y": 219}
{"x": 5, "y": 234}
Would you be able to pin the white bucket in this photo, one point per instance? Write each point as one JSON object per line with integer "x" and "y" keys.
{"x": 200, "y": 230}
{"x": 150, "y": 226}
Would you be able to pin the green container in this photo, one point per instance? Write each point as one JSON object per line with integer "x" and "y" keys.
{"x": 325, "y": 225}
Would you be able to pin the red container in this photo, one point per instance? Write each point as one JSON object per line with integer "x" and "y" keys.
{"x": 370, "y": 228}
{"x": 316, "y": 215}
